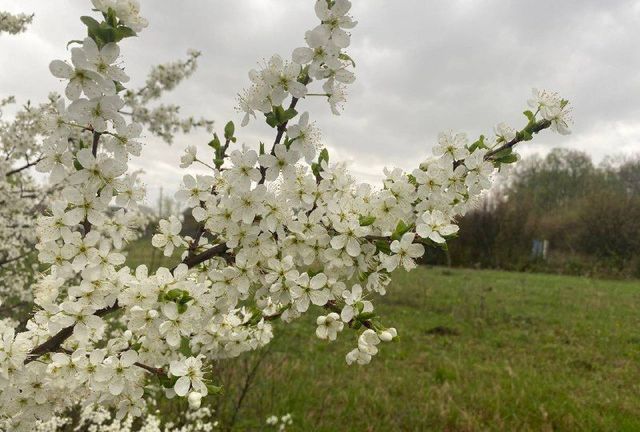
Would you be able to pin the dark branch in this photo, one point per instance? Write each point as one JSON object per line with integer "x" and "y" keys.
{"x": 55, "y": 342}
{"x": 24, "y": 167}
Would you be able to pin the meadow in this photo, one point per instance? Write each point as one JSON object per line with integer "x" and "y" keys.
{"x": 478, "y": 350}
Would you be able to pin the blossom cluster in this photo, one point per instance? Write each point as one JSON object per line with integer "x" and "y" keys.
{"x": 323, "y": 59}
{"x": 552, "y": 108}
{"x": 280, "y": 423}
{"x": 14, "y": 24}
{"x": 23, "y": 147}
{"x": 96, "y": 418}
{"x": 282, "y": 232}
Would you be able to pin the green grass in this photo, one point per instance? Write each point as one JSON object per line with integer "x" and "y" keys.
{"x": 478, "y": 350}
{"x": 141, "y": 252}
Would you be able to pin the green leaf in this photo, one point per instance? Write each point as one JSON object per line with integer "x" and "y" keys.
{"x": 90, "y": 22}
{"x": 122, "y": 32}
{"x": 412, "y": 179}
{"x": 278, "y": 111}
{"x": 478, "y": 144}
{"x": 185, "y": 349}
{"x": 401, "y": 229}
{"x": 383, "y": 246}
{"x": 271, "y": 119}
{"x": 315, "y": 168}
{"x": 214, "y": 390}
{"x": 367, "y": 220}
{"x": 530, "y": 116}
{"x": 111, "y": 18}
{"x": 289, "y": 114}
{"x": 229, "y": 129}
{"x": 103, "y": 34}
{"x": 525, "y": 135}
{"x": 366, "y": 316}
{"x": 173, "y": 294}
{"x": 119, "y": 86}
{"x": 215, "y": 142}
{"x": 323, "y": 156}
{"x": 511, "y": 158}
{"x": 502, "y": 153}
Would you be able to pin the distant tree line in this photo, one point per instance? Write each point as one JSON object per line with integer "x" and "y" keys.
{"x": 589, "y": 214}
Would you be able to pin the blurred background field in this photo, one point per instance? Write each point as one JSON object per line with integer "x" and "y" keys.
{"x": 478, "y": 350}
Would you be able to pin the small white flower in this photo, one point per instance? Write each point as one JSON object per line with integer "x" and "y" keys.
{"x": 169, "y": 235}
{"x": 189, "y": 156}
{"x": 329, "y": 326}
{"x": 435, "y": 226}
{"x": 191, "y": 376}
{"x": 404, "y": 253}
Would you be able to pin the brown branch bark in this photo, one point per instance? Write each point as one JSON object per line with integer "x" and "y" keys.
{"x": 22, "y": 168}
{"x": 55, "y": 342}
{"x": 280, "y": 132}
{"x": 539, "y": 126}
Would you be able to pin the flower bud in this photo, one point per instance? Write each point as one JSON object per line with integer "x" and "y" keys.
{"x": 195, "y": 399}
{"x": 386, "y": 336}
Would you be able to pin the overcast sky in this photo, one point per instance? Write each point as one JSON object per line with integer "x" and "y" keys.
{"x": 422, "y": 66}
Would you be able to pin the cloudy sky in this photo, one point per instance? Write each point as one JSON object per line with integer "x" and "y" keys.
{"x": 422, "y": 66}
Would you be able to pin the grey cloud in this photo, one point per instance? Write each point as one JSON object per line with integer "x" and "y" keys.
{"x": 422, "y": 66}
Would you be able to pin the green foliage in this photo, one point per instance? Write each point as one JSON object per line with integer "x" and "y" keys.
{"x": 279, "y": 116}
{"x": 504, "y": 156}
{"x": 316, "y": 167}
{"x": 478, "y": 144}
{"x": 401, "y": 229}
{"x": 229, "y": 130}
{"x": 110, "y": 30}
{"x": 221, "y": 150}
{"x": 367, "y": 220}
{"x": 590, "y": 216}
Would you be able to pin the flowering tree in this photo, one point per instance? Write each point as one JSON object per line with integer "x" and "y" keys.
{"x": 25, "y": 143}
{"x": 282, "y": 231}
{"x": 14, "y": 24}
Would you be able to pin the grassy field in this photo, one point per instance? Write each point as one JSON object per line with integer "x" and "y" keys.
{"x": 478, "y": 350}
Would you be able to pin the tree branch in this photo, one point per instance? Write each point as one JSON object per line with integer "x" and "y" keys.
{"x": 24, "y": 167}
{"x": 539, "y": 126}
{"x": 282, "y": 128}
{"x": 55, "y": 342}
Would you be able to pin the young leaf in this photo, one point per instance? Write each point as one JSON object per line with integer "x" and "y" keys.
{"x": 229, "y": 129}
{"x": 90, "y": 22}
{"x": 215, "y": 142}
{"x": 367, "y": 220}
{"x": 530, "y": 116}
{"x": 271, "y": 119}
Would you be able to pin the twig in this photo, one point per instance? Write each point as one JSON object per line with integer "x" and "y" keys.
{"x": 245, "y": 388}
{"x": 24, "y": 167}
